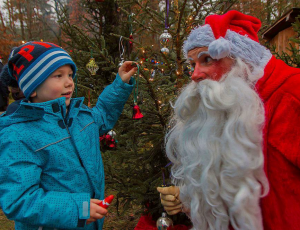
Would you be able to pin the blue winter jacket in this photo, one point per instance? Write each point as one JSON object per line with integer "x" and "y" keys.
{"x": 50, "y": 160}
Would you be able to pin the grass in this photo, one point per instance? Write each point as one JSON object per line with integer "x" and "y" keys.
{"x": 5, "y": 223}
{"x": 112, "y": 221}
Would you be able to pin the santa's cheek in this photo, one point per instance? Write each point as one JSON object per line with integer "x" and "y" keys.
{"x": 216, "y": 71}
{"x": 220, "y": 68}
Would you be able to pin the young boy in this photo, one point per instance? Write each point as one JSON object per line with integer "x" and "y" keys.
{"x": 51, "y": 170}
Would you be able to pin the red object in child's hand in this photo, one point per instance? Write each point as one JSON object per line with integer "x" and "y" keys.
{"x": 106, "y": 202}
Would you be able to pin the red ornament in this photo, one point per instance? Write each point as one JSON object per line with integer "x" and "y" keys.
{"x": 106, "y": 202}
{"x": 112, "y": 144}
{"x": 108, "y": 141}
{"x": 130, "y": 42}
{"x": 137, "y": 113}
{"x": 99, "y": 0}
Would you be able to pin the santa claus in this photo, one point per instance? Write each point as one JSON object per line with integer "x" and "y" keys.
{"x": 234, "y": 135}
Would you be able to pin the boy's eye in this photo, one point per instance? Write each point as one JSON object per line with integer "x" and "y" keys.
{"x": 71, "y": 75}
{"x": 58, "y": 75}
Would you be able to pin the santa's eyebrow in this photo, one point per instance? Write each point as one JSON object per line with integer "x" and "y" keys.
{"x": 202, "y": 53}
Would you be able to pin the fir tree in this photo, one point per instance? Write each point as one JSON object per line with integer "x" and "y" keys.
{"x": 135, "y": 168}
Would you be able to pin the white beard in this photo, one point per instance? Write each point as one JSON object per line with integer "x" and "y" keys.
{"x": 215, "y": 143}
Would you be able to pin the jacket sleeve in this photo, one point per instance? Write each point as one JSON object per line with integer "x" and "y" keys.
{"x": 22, "y": 196}
{"x": 111, "y": 103}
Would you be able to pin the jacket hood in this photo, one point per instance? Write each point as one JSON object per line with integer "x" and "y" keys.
{"x": 24, "y": 111}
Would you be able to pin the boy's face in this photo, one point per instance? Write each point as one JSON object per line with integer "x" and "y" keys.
{"x": 58, "y": 84}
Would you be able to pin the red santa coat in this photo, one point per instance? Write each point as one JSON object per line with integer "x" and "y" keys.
{"x": 279, "y": 89}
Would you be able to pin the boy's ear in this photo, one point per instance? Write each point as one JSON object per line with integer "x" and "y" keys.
{"x": 33, "y": 94}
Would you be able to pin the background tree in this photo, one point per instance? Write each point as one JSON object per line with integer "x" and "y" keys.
{"x": 23, "y": 21}
{"x": 267, "y": 11}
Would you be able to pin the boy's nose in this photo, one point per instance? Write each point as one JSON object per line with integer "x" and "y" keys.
{"x": 69, "y": 82}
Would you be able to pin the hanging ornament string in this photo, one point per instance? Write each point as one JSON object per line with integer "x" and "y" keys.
{"x": 163, "y": 174}
{"x": 136, "y": 89}
{"x": 136, "y": 115}
{"x": 130, "y": 23}
{"x": 130, "y": 33}
{"x": 167, "y": 15}
{"x": 121, "y": 51}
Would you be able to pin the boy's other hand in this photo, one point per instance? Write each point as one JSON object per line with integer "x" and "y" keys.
{"x": 96, "y": 211}
{"x": 127, "y": 70}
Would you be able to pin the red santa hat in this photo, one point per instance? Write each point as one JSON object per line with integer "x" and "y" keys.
{"x": 232, "y": 34}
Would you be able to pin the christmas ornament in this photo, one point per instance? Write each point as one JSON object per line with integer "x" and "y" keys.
{"x": 112, "y": 133}
{"x": 152, "y": 75}
{"x": 108, "y": 140}
{"x": 91, "y": 65}
{"x": 106, "y": 202}
{"x": 164, "y": 222}
{"x": 137, "y": 113}
{"x": 165, "y": 41}
{"x": 165, "y": 51}
{"x": 130, "y": 42}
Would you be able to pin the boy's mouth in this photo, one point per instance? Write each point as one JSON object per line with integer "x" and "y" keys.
{"x": 67, "y": 94}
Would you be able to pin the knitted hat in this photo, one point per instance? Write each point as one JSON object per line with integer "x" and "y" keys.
{"x": 231, "y": 34}
{"x": 32, "y": 63}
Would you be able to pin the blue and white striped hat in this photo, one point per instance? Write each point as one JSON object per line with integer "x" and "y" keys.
{"x": 32, "y": 63}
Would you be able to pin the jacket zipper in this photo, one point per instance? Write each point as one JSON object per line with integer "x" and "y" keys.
{"x": 65, "y": 119}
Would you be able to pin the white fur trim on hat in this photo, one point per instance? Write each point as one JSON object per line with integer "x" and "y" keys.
{"x": 219, "y": 48}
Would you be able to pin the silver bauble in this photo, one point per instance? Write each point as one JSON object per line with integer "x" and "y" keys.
{"x": 165, "y": 39}
{"x": 112, "y": 133}
{"x": 165, "y": 50}
{"x": 164, "y": 222}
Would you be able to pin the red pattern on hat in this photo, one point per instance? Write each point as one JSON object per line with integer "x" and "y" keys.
{"x": 234, "y": 21}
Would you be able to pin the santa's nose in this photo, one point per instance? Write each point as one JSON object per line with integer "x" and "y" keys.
{"x": 198, "y": 74}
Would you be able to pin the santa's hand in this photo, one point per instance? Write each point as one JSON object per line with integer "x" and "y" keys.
{"x": 169, "y": 197}
{"x": 126, "y": 70}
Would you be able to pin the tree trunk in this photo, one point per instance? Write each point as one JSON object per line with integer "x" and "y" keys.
{"x": 21, "y": 20}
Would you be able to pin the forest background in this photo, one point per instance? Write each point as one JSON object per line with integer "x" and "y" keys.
{"x": 110, "y": 31}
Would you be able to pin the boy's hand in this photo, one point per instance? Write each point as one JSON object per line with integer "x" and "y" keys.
{"x": 127, "y": 70}
{"x": 169, "y": 197}
{"x": 96, "y": 212}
